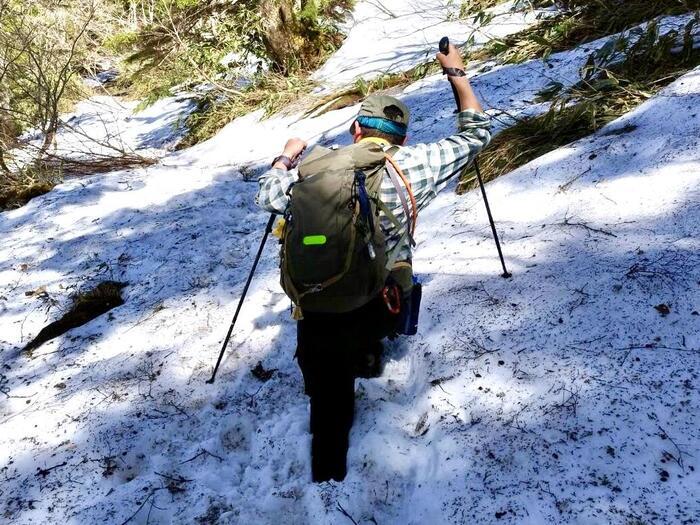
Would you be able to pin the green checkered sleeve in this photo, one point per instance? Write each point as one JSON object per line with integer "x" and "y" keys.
{"x": 430, "y": 167}
{"x": 272, "y": 194}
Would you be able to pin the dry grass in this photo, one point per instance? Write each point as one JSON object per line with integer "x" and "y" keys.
{"x": 533, "y": 137}
{"x": 388, "y": 83}
{"x": 277, "y": 94}
{"x": 579, "y": 21}
{"x": 17, "y": 189}
{"x": 612, "y": 85}
{"x": 556, "y": 34}
{"x": 272, "y": 93}
{"x": 471, "y": 8}
{"x": 95, "y": 164}
{"x": 17, "y": 195}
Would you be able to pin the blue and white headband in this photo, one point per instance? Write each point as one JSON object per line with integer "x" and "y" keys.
{"x": 382, "y": 124}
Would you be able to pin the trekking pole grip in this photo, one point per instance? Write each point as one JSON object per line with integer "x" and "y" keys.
{"x": 444, "y": 47}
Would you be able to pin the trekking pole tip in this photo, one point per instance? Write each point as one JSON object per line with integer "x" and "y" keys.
{"x": 506, "y": 275}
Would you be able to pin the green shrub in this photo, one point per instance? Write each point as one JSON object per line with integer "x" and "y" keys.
{"x": 616, "y": 79}
{"x": 578, "y": 22}
{"x": 17, "y": 189}
{"x": 185, "y": 41}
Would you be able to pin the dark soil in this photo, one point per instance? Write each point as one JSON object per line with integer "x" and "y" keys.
{"x": 86, "y": 307}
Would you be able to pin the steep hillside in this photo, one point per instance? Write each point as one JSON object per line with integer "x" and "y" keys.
{"x": 567, "y": 394}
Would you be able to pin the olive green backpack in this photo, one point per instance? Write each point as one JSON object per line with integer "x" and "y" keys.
{"x": 334, "y": 256}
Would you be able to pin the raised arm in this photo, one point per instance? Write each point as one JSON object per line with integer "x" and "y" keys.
{"x": 430, "y": 167}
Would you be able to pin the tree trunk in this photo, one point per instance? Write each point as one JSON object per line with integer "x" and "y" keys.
{"x": 3, "y": 165}
{"x": 49, "y": 136}
{"x": 279, "y": 37}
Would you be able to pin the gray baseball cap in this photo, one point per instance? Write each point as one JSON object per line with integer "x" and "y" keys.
{"x": 386, "y": 107}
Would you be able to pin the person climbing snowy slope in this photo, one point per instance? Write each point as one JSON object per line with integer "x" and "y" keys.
{"x": 342, "y": 321}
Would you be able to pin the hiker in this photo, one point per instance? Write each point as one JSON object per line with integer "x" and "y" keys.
{"x": 346, "y": 247}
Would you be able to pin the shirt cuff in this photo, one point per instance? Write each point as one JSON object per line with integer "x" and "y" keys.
{"x": 471, "y": 119}
{"x": 285, "y": 177}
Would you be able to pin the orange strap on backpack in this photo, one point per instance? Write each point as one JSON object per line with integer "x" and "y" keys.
{"x": 414, "y": 212}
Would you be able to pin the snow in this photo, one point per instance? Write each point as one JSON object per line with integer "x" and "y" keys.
{"x": 558, "y": 396}
{"x": 105, "y": 127}
{"x": 395, "y": 35}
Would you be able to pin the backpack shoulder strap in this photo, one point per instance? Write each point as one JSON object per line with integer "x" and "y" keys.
{"x": 317, "y": 160}
{"x": 395, "y": 174}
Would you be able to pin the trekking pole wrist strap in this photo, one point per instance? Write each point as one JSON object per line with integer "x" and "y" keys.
{"x": 283, "y": 159}
{"x": 453, "y": 72}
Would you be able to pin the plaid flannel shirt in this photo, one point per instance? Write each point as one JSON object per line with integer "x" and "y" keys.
{"x": 428, "y": 168}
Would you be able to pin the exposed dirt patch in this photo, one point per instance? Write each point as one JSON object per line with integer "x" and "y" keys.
{"x": 86, "y": 306}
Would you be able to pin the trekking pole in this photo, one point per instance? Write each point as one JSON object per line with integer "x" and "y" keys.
{"x": 268, "y": 229}
{"x": 506, "y": 274}
{"x": 444, "y": 47}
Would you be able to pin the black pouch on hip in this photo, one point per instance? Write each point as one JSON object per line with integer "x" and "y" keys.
{"x": 410, "y": 308}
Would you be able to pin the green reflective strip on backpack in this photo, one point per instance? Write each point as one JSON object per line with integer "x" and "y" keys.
{"x": 314, "y": 240}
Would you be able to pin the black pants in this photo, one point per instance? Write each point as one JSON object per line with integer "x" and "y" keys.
{"x": 329, "y": 347}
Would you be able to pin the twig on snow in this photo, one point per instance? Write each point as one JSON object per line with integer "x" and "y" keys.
{"x": 345, "y": 513}
{"x": 150, "y": 509}
{"x": 652, "y": 346}
{"x": 4, "y": 382}
{"x": 564, "y": 187}
{"x": 567, "y": 222}
{"x": 583, "y": 297}
{"x": 678, "y": 459}
{"x": 669, "y": 268}
{"x": 143, "y": 504}
{"x": 479, "y": 351}
{"x": 179, "y": 479}
{"x": 251, "y": 397}
{"x": 569, "y": 401}
{"x": 548, "y": 491}
{"x": 43, "y": 472}
{"x": 200, "y": 454}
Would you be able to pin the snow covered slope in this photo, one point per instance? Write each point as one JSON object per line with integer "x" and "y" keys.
{"x": 561, "y": 395}
{"x": 105, "y": 127}
{"x": 395, "y": 35}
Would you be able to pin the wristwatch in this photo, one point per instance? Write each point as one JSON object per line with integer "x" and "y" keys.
{"x": 453, "y": 72}
{"x": 289, "y": 163}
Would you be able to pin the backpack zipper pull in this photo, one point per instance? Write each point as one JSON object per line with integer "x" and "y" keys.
{"x": 370, "y": 251}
